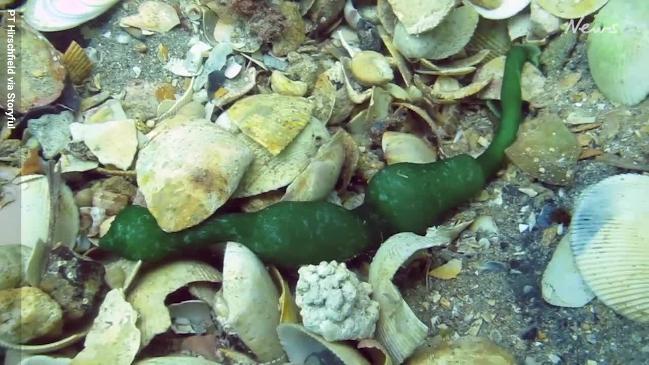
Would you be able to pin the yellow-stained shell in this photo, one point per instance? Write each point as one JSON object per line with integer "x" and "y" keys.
{"x": 371, "y": 68}
{"x": 289, "y": 312}
{"x": 323, "y": 98}
{"x": 302, "y": 346}
{"x": 507, "y": 9}
{"x": 285, "y": 86}
{"x": 465, "y": 350}
{"x": 421, "y": 16}
{"x": 151, "y": 289}
{"x": 76, "y": 63}
{"x": 405, "y": 147}
{"x": 610, "y": 241}
{"x": 268, "y": 172}
{"x": 571, "y": 9}
{"x": 532, "y": 80}
{"x": 293, "y": 35}
{"x": 272, "y": 120}
{"x": 113, "y": 336}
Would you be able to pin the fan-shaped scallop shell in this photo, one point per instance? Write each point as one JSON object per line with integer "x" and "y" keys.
{"x": 610, "y": 242}
{"x": 55, "y": 15}
{"x": 77, "y": 63}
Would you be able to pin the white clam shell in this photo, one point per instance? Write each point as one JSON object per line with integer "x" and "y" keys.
{"x": 248, "y": 302}
{"x": 55, "y": 15}
{"x": 507, "y": 9}
{"x": 304, "y": 347}
{"x": 610, "y": 242}
{"x": 562, "y": 284}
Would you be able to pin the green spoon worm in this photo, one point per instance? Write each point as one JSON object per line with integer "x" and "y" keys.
{"x": 401, "y": 197}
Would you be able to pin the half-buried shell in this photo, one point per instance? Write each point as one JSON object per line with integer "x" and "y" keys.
{"x": 610, "y": 242}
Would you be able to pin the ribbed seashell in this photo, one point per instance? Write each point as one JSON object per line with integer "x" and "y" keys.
{"x": 610, "y": 242}
{"x": 55, "y": 15}
{"x": 490, "y": 35}
{"x": 571, "y": 9}
{"x": 507, "y": 9}
{"x": 77, "y": 63}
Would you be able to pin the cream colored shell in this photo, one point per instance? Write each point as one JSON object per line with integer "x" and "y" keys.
{"x": 610, "y": 242}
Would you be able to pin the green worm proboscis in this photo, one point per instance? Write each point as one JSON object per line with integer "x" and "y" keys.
{"x": 403, "y": 197}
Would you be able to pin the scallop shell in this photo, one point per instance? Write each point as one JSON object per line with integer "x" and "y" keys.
{"x": 490, "y": 35}
{"x": 304, "y": 347}
{"x": 77, "y": 63}
{"x": 610, "y": 242}
{"x": 420, "y": 16}
{"x": 55, "y": 15}
{"x": 507, "y": 9}
{"x": 248, "y": 302}
{"x": 188, "y": 171}
{"x": 151, "y": 289}
{"x": 571, "y": 9}
{"x": 394, "y": 312}
{"x": 617, "y": 52}
{"x": 446, "y": 39}
{"x": 464, "y": 350}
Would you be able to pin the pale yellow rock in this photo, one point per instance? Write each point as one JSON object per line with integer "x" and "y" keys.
{"x": 285, "y": 86}
{"x": 113, "y": 142}
{"x": 449, "y": 270}
{"x": 371, "y": 68}
{"x": 27, "y": 313}
{"x": 188, "y": 171}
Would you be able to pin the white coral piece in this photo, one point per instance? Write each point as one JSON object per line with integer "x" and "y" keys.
{"x": 334, "y": 303}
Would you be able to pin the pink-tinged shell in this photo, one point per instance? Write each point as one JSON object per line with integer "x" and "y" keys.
{"x": 55, "y": 15}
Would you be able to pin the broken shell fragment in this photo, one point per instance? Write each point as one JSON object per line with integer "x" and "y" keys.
{"x": 371, "y": 68}
{"x": 188, "y": 171}
{"x": 562, "y": 284}
{"x": 55, "y": 15}
{"x": 532, "y": 80}
{"x": 248, "y": 302}
{"x": 150, "y": 290}
{"x": 405, "y": 147}
{"x": 571, "y": 9}
{"x": 155, "y": 16}
{"x": 301, "y": 346}
{"x": 77, "y": 63}
{"x": 113, "y": 337}
{"x": 113, "y": 142}
{"x": 285, "y": 86}
{"x": 448, "y": 90}
{"x": 394, "y": 312}
{"x": 320, "y": 176}
{"x": 610, "y": 242}
{"x": 272, "y": 120}
{"x": 507, "y": 9}
{"x": 449, "y": 270}
{"x": 268, "y": 172}
{"x": 28, "y": 313}
{"x": 420, "y": 16}
{"x": 448, "y": 38}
